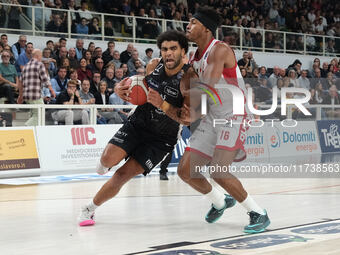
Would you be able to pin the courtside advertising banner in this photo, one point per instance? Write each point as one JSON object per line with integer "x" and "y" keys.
{"x": 256, "y": 146}
{"x": 289, "y": 144}
{"x": 73, "y": 147}
{"x": 180, "y": 146}
{"x": 329, "y": 135}
{"x": 18, "y": 149}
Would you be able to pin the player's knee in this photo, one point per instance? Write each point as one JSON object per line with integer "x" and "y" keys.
{"x": 128, "y": 171}
{"x": 121, "y": 175}
{"x": 108, "y": 160}
{"x": 183, "y": 172}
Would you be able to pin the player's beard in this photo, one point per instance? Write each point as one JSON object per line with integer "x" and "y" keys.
{"x": 177, "y": 62}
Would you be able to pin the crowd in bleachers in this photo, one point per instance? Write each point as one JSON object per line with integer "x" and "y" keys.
{"x": 322, "y": 80}
{"x": 303, "y": 16}
{"x": 95, "y": 71}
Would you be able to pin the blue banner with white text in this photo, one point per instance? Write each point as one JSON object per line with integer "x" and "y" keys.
{"x": 329, "y": 135}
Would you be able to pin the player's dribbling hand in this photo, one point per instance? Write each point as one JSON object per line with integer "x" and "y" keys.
{"x": 154, "y": 98}
{"x": 122, "y": 89}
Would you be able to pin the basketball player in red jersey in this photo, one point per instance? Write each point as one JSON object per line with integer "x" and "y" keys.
{"x": 216, "y": 66}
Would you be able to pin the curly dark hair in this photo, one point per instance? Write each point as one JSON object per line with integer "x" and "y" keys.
{"x": 173, "y": 35}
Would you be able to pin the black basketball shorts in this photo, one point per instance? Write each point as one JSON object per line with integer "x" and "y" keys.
{"x": 145, "y": 147}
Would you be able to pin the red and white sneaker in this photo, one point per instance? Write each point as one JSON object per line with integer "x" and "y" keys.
{"x": 86, "y": 217}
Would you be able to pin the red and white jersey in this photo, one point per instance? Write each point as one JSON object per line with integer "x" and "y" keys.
{"x": 231, "y": 78}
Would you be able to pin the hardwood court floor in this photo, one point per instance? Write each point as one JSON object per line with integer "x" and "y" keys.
{"x": 42, "y": 219}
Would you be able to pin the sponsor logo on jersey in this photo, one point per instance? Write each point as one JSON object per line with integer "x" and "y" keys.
{"x": 152, "y": 84}
{"x": 171, "y": 91}
{"x": 157, "y": 69}
{"x": 118, "y": 140}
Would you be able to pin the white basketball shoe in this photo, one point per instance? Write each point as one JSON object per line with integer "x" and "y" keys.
{"x": 86, "y": 217}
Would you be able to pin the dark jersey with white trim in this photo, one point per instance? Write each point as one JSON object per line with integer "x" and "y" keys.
{"x": 153, "y": 119}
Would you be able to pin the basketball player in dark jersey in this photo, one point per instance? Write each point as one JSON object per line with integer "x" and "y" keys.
{"x": 152, "y": 130}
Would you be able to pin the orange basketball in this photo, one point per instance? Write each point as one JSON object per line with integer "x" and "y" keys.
{"x": 139, "y": 90}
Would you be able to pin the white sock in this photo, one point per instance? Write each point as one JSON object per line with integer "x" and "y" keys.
{"x": 216, "y": 197}
{"x": 101, "y": 169}
{"x": 92, "y": 206}
{"x": 251, "y": 205}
